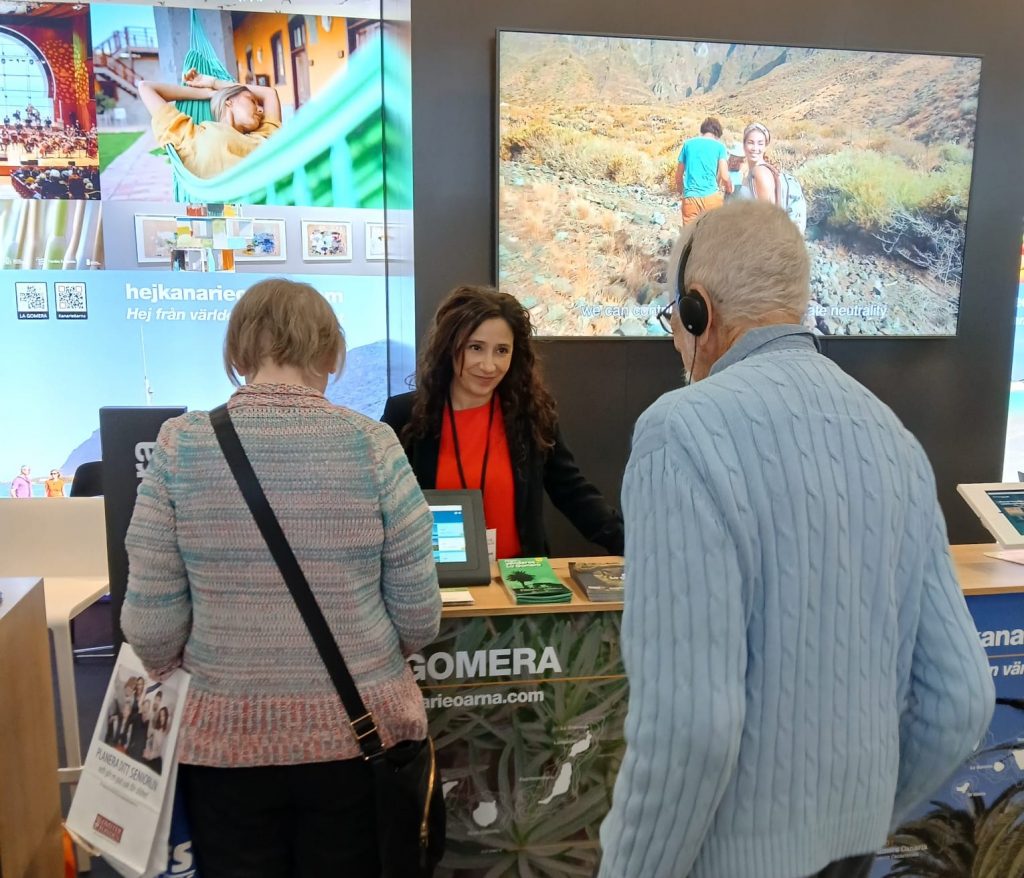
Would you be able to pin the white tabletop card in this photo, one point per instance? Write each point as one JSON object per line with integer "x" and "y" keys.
{"x": 1014, "y": 555}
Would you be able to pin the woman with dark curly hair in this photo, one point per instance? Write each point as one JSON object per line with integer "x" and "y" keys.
{"x": 481, "y": 418}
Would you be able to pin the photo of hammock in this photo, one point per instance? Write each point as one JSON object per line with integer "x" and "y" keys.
{"x": 314, "y": 87}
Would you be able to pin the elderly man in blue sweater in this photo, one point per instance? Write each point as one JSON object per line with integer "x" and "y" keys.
{"x": 802, "y": 666}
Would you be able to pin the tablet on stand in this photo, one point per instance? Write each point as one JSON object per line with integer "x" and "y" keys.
{"x": 460, "y": 537}
{"x": 1000, "y": 506}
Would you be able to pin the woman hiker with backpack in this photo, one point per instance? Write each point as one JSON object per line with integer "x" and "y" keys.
{"x": 764, "y": 182}
{"x": 761, "y": 180}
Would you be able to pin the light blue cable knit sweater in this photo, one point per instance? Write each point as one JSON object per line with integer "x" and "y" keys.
{"x": 802, "y": 665}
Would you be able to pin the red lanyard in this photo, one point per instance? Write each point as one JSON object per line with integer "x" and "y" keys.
{"x": 487, "y": 446}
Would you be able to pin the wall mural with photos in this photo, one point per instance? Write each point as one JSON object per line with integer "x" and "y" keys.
{"x": 156, "y": 159}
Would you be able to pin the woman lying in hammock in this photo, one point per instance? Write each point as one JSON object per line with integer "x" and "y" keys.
{"x": 244, "y": 116}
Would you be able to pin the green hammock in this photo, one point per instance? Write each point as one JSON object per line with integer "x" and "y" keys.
{"x": 330, "y": 153}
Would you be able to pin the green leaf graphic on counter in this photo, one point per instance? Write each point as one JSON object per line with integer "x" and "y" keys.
{"x": 528, "y": 757}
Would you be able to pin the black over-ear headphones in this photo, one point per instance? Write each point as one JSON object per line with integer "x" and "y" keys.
{"x": 693, "y": 310}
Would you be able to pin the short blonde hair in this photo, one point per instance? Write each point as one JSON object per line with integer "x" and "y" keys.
{"x": 219, "y": 99}
{"x": 753, "y": 261}
{"x": 289, "y": 323}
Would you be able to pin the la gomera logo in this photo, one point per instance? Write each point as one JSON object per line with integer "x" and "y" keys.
{"x": 107, "y": 827}
{"x": 511, "y": 662}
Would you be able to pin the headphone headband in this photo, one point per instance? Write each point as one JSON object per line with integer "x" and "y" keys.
{"x": 693, "y": 310}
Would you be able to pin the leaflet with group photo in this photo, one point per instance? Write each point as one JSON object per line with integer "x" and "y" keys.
{"x": 123, "y": 802}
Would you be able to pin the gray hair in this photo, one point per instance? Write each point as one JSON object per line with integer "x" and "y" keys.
{"x": 220, "y": 98}
{"x": 753, "y": 262}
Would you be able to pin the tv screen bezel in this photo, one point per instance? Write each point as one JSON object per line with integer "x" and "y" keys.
{"x": 824, "y": 340}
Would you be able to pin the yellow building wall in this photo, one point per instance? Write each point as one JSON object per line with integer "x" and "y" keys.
{"x": 326, "y": 51}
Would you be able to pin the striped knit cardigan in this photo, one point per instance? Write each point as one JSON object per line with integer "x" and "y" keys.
{"x": 203, "y": 590}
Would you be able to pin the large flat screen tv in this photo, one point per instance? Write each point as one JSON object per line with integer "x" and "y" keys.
{"x": 875, "y": 150}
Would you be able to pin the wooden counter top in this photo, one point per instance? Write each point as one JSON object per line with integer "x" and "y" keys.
{"x": 978, "y": 575}
{"x": 494, "y": 599}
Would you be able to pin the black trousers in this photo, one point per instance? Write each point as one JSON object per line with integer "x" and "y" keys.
{"x": 853, "y": 867}
{"x": 290, "y": 821}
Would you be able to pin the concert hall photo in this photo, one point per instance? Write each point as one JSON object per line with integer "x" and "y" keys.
{"x": 48, "y": 146}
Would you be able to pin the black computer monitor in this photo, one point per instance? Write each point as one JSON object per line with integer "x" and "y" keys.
{"x": 460, "y": 537}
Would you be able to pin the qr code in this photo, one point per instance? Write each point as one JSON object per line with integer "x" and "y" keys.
{"x": 32, "y": 300}
{"x": 71, "y": 301}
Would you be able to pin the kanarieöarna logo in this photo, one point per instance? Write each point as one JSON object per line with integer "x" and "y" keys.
{"x": 1002, "y": 637}
{"x": 143, "y": 455}
{"x": 513, "y": 662}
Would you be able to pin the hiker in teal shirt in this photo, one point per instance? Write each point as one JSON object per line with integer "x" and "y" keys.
{"x": 703, "y": 171}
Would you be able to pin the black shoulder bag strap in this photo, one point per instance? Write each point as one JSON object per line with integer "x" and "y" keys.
{"x": 360, "y": 719}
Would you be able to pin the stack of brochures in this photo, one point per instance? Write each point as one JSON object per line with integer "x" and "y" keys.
{"x": 600, "y": 582}
{"x": 532, "y": 581}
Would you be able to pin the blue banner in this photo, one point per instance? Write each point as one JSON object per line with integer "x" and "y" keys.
{"x": 180, "y": 863}
{"x": 972, "y": 825}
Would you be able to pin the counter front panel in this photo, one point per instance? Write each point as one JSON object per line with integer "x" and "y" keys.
{"x": 527, "y": 706}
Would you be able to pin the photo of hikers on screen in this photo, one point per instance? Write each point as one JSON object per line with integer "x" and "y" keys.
{"x": 609, "y": 148}
{"x": 705, "y": 178}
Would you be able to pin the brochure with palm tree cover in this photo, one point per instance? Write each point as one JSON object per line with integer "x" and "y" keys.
{"x": 532, "y": 581}
{"x": 600, "y": 582}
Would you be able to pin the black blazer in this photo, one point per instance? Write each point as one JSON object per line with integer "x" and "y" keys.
{"x": 554, "y": 471}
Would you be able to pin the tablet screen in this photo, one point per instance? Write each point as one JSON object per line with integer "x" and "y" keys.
{"x": 459, "y": 537}
{"x": 1011, "y": 505}
{"x": 449, "y": 534}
